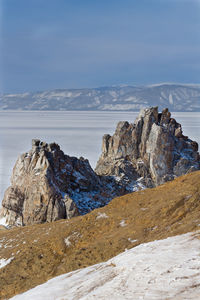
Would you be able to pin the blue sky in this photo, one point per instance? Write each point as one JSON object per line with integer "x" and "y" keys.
{"x": 48, "y": 44}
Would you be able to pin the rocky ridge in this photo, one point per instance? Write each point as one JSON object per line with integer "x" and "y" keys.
{"x": 47, "y": 185}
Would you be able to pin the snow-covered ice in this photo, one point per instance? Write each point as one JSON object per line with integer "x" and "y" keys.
{"x": 164, "y": 269}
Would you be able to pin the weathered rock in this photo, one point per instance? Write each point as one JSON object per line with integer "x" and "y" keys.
{"x": 153, "y": 148}
{"x": 47, "y": 185}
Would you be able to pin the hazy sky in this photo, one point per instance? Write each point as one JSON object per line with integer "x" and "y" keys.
{"x": 47, "y": 44}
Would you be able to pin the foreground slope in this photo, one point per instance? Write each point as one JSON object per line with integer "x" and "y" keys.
{"x": 165, "y": 269}
{"x": 33, "y": 254}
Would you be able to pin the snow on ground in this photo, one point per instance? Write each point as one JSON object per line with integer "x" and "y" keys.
{"x": 67, "y": 241}
{"x": 101, "y": 216}
{"x": 122, "y": 223}
{"x": 4, "y": 262}
{"x": 73, "y": 237}
{"x": 131, "y": 240}
{"x": 165, "y": 269}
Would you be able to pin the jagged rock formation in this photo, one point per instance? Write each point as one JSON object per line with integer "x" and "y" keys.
{"x": 47, "y": 185}
{"x": 153, "y": 149}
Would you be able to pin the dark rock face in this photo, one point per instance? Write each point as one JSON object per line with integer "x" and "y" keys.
{"x": 152, "y": 149}
{"x": 47, "y": 185}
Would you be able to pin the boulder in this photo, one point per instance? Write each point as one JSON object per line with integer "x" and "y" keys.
{"x": 47, "y": 185}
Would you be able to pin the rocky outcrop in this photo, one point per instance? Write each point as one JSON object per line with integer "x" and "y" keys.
{"x": 47, "y": 185}
{"x": 152, "y": 150}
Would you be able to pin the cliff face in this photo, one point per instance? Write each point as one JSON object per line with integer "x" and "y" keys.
{"x": 153, "y": 149}
{"x": 47, "y": 185}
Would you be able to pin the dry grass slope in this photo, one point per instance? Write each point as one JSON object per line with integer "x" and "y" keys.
{"x": 43, "y": 251}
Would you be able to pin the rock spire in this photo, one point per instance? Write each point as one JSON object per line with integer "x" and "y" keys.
{"x": 153, "y": 148}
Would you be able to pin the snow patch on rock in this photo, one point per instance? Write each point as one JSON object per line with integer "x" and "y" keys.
{"x": 3, "y": 221}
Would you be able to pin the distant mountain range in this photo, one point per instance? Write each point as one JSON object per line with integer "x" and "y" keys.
{"x": 177, "y": 97}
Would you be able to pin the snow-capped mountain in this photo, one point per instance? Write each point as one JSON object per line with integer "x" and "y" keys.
{"x": 177, "y": 97}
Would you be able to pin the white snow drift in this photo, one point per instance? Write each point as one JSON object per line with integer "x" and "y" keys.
{"x": 165, "y": 269}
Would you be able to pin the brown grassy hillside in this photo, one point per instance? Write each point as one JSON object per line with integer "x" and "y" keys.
{"x": 41, "y": 252}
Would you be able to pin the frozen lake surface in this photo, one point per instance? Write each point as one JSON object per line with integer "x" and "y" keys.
{"x": 77, "y": 133}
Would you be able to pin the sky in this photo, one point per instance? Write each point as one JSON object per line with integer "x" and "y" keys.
{"x": 49, "y": 44}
